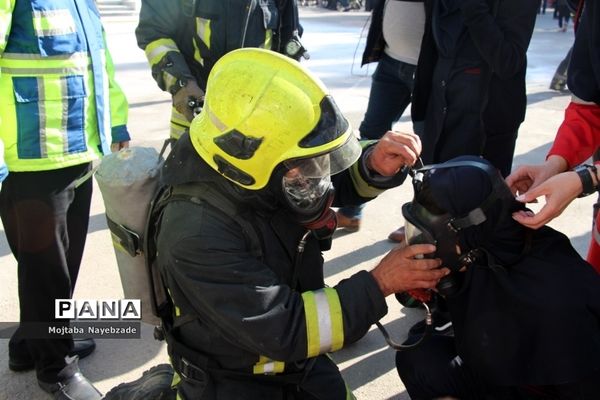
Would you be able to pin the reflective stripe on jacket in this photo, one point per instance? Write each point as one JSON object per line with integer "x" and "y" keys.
{"x": 60, "y": 103}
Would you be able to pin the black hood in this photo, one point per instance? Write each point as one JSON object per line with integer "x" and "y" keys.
{"x": 529, "y": 314}
{"x": 461, "y": 189}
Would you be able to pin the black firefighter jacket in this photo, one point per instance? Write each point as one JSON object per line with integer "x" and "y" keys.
{"x": 246, "y": 317}
{"x": 184, "y": 38}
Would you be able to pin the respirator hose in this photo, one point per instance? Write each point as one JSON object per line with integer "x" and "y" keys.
{"x": 401, "y": 347}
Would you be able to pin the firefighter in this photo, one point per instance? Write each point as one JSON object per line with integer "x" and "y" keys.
{"x": 183, "y": 39}
{"x": 61, "y": 109}
{"x": 272, "y": 142}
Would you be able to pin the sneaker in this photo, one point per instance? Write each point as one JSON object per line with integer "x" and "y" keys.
{"x": 154, "y": 384}
{"x": 349, "y": 224}
{"x": 23, "y": 362}
{"x": 71, "y": 385}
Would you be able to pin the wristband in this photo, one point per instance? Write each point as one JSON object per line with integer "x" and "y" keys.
{"x": 177, "y": 86}
{"x": 585, "y": 171}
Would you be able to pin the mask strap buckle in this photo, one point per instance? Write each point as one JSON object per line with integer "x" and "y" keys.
{"x": 474, "y": 217}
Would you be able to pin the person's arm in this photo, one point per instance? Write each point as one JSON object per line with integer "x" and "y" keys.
{"x": 380, "y": 167}
{"x": 157, "y": 34}
{"x": 502, "y": 40}
{"x": 577, "y": 139}
{"x": 218, "y": 280}
{"x": 578, "y": 136}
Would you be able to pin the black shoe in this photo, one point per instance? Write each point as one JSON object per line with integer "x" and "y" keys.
{"x": 23, "y": 362}
{"x": 71, "y": 385}
{"x": 442, "y": 325}
{"x": 155, "y": 384}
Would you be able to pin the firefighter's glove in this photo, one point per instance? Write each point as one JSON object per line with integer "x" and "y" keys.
{"x": 187, "y": 99}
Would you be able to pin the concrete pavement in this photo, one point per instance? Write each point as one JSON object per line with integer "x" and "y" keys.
{"x": 335, "y": 42}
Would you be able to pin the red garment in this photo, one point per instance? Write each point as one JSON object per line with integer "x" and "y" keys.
{"x": 579, "y": 135}
{"x": 577, "y": 139}
{"x": 593, "y": 256}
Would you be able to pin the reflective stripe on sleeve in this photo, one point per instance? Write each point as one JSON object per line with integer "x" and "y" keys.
{"x": 204, "y": 32}
{"x": 203, "y": 29}
{"x": 360, "y": 185}
{"x": 157, "y": 49}
{"x": 268, "y": 39}
{"x": 324, "y": 321}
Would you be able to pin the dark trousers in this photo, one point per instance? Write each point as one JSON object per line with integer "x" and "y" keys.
{"x": 45, "y": 218}
{"x": 433, "y": 369}
{"x": 391, "y": 88}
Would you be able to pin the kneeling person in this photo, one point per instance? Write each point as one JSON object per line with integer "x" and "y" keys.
{"x": 257, "y": 319}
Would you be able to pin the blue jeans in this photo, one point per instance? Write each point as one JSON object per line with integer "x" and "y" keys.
{"x": 391, "y": 88}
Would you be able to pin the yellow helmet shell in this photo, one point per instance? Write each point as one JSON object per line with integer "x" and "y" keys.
{"x": 262, "y": 108}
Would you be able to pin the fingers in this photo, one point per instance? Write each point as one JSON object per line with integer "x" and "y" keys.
{"x": 532, "y": 194}
{"x": 417, "y": 249}
{"x": 115, "y": 147}
{"x": 395, "y": 150}
{"x": 518, "y": 175}
{"x": 534, "y": 221}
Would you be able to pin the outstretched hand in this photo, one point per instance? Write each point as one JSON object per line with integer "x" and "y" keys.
{"x": 529, "y": 182}
{"x": 394, "y": 151}
{"x": 559, "y": 192}
{"x": 527, "y": 177}
{"x": 400, "y": 270}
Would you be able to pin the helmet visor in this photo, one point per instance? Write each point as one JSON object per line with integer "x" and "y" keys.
{"x": 330, "y": 163}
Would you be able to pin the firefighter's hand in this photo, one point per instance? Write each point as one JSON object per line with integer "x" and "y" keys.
{"x": 400, "y": 271}
{"x": 394, "y": 151}
{"x": 119, "y": 145}
{"x": 181, "y": 100}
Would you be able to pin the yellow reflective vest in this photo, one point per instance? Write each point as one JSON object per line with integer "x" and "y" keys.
{"x": 60, "y": 105}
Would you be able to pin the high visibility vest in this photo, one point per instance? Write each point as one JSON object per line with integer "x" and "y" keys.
{"x": 60, "y": 103}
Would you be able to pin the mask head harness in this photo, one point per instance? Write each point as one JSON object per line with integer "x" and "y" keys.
{"x": 442, "y": 229}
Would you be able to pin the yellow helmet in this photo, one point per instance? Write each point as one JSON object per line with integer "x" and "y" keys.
{"x": 261, "y": 109}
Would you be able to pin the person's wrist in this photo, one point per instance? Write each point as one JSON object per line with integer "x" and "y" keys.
{"x": 177, "y": 86}
{"x": 588, "y": 175}
{"x": 381, "y": 282}
{"x": 556, "y": 164}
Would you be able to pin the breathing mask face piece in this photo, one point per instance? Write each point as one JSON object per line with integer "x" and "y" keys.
{"x": 306, "y": 183}
{"x": 422, "y": 227}
{"x": 415, "y": 234}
